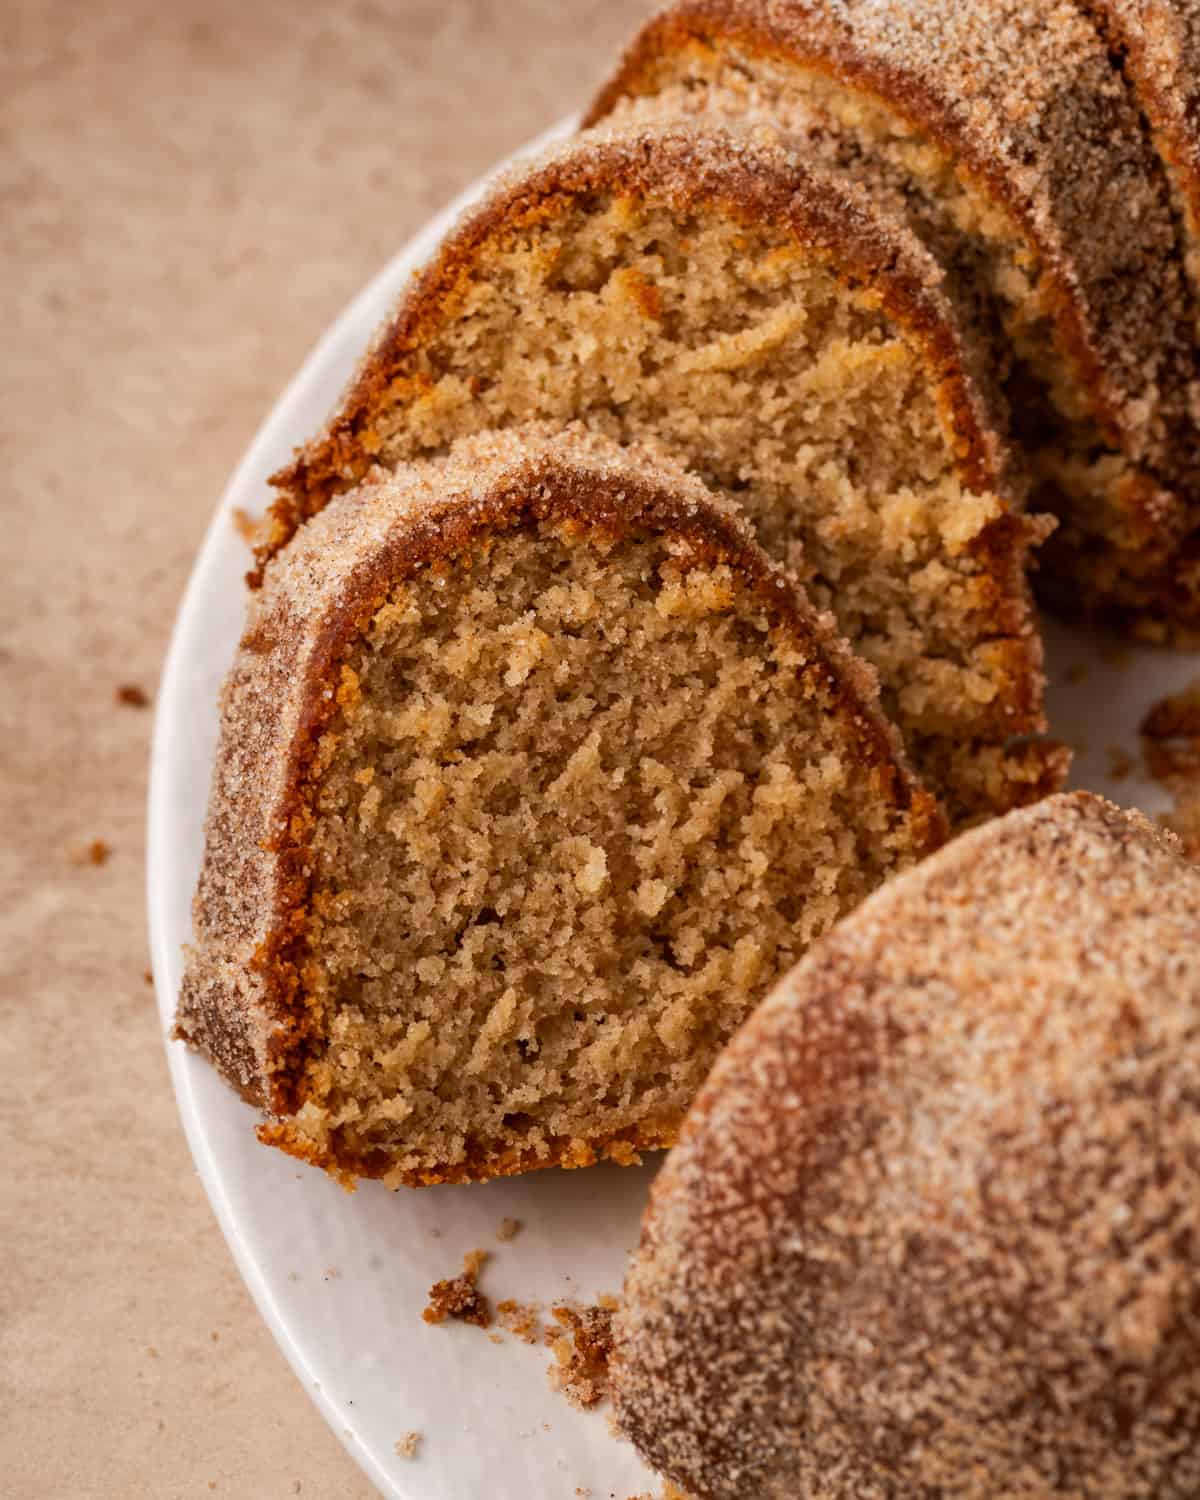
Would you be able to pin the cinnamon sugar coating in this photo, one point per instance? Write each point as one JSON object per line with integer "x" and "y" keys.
{"x": 1159, "y": 42}
{"x": 932, "y": 1229}
{"x": 1022, "y": 157}
{"x": 534, "y": 773}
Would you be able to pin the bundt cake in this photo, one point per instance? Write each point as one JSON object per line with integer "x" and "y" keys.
{"x": 710, "y": 294}
{"x": 534, "y": 773}
{"x": 1013, "y": 144}
{"x": 932, "y": 1229}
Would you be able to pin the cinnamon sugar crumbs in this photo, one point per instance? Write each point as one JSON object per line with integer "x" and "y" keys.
{"x": 460, "y": 1297}
{"x": 406, "y": 1446}
{"x": 581, "y": 1353}
{"x": 130, "y": 695}
{"x": 508, "y": 1231}
{"x": 94, "y": 852}
{"x": 522, "y": 1319}
{"x": 248, "y": 527}
{"x": 580, "y": 1339}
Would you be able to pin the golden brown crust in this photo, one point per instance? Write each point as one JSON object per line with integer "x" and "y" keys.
{"x": 930, "y": 1229}
{"x": 480, "y": 1163}
{"x": 245, "y": 1001}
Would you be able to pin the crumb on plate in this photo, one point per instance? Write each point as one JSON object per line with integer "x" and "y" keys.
{"x": 459, "y": 1297}
{"x": 581, "y": 1353}
{"x": 406, "y": 1446}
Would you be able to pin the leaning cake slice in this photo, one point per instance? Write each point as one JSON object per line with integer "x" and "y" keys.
{"x": 1019, "y": 155}
{"x": 710, "y": 294}
{"x": 1158, "y": 43}
{"x": 534, "y": 774}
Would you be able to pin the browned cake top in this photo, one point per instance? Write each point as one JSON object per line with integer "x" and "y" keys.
{"x": 243, "y": 998}
{"x": 932, "y": 1228}
{"x": 704, "y": 170}
{"x": 1025, "y": 99}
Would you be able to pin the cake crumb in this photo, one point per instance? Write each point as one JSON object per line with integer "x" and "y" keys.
{"x": 130, "y": 695}
{"x": 522, "y": 1319}
{"x": 460, "y": 1297}
{"x": 509, "y": 1229}
{"x": 248, "y": 527}
{"x": 406, "y": 1446}
{"x": 581, "y": 1353}
{"x": 95, "y": 852}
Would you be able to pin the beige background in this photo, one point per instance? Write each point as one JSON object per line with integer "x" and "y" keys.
{"x": 189, "y": 191}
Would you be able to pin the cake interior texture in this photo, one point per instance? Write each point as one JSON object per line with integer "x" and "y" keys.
{"x": 1119, "y": 519}
{"x": 730, "y": 348}
{"x": 580, "y": 807}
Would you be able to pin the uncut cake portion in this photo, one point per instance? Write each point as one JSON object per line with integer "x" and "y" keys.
{"x": 932, "y": 1228}
{"x": 707, "y": 292}
{"x": 534, "y": 774}
{"x": 1016, "y": 149}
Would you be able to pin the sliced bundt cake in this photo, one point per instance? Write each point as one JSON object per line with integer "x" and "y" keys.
{"x": 1006, "y": 134}
{"x": 932, "y": 1229}
{"x": 790, "y": 345}
{"x": 534, "y": 774}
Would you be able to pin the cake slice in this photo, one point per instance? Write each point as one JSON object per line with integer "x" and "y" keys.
{"x": 1158, "y": 42}
{"x": 1004, "y": 132}
{"x": 534, "y": 773}
{"x": 931, "y": 1228}
{"x": 707, "y": 292}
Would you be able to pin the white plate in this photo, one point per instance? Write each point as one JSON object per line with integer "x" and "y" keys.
{"x": 341, "y": 1280}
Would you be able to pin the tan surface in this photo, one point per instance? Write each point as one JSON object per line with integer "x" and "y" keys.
{"x": 188, "y": 192}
